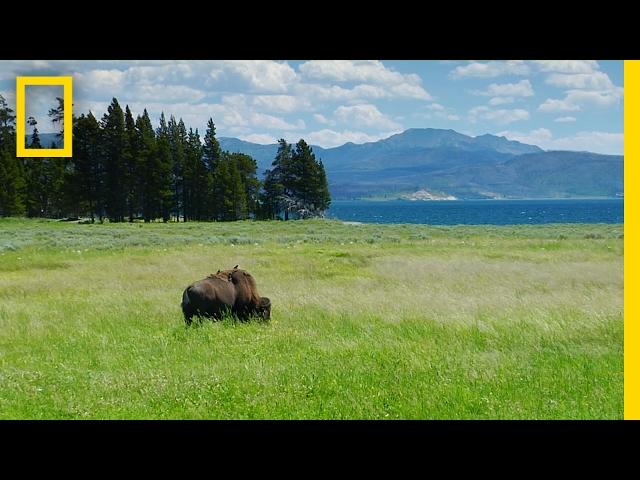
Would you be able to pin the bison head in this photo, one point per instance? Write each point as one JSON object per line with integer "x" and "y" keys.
{"x": 264, "y": 309}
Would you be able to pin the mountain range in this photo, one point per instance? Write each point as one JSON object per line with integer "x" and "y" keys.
{"x": 449, "y": 164}
{"x": 445, "y": 163}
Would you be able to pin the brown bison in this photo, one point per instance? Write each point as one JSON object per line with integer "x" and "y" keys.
{"x": 233, "y": 291}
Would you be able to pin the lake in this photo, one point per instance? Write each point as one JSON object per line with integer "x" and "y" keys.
{"x": 480, "y": 212}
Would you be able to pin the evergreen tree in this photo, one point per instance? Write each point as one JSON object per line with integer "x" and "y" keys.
{"x": 310, "y": 183}
{"x": 114, "y": 143}
{"x": 296, "y": 183}
{"x": 232, "y": 195}
{"x": 270, "y": 196}
{"x": 212, "y": 150}
{"x": 35, "y": 189}
{"x": 88, "y": 172}
{"x": 247, "y": 168}
{"x": 162, "y": 168}
{"x": 178, "y": 142}
{"x": 280, "y": 181}
{"x": 130, "y": 163}
{"x": 12, "y": 181}
{"x": 196, "y": 179}
{"x": 212, "y": 155}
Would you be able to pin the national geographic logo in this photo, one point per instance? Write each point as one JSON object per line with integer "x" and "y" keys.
{"x": 21, "y": 84}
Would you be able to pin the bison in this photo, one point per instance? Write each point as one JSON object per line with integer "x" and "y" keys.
{"x": 233, "y": 291}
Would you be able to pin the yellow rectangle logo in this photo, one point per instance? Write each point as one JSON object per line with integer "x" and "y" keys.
{"x": 67, "y": 148}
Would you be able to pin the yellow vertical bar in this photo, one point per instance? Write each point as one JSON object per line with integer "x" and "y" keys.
{"x": 20, "y": 119}
{"x": 631, "y": 239}
{"x": 68, "y": 117}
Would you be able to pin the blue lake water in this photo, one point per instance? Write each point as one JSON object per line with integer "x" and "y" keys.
{"x": 480, "y": 212}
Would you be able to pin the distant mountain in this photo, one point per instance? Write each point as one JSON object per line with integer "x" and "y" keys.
{"x": 455, "y": 165}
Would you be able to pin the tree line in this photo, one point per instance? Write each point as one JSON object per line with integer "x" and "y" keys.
{"x": 123, "y": 169}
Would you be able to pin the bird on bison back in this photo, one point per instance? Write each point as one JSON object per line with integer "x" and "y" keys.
{"x": 232, "y": 291}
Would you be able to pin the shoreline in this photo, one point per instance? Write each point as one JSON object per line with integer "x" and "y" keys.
{"x": 475, "y": 199}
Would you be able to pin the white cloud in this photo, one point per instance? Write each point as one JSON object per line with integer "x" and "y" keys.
{"x": 258, "y": 76}
{"x": 501, "y": 101}
{"x": 591, "y": 81}
{"x": 330, "y": 138}
{"x": 366, "y": 115}
{"x": 371, "y": 71}
{"x": 271, "y": 122}
{"x": 567, "y": 66}
{"x": 281, "y": 103}
{"x": 556, "y": 105}
{"x": 565, "y": 119}
{"x": 491, "y": 69}
{"x": 318, "y": 117}
{"x": 438, "y": 111}
{"x": 375, "y": 79}
{"x": 521, "y": 89}
{"x": 576, "y": 99}
{"x": 594, "y": 141}
{"x": 501, "y": 116}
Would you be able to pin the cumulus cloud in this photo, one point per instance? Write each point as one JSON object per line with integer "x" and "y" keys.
{"x": 567, "y": 66}
{"x": 259, "y": 76}
{"x": 365, "y": 116}
{"x": 565, "y": 119}
{"x": 375, "y": 80}
{"x": 591, "y": 141}
{"x": 521, "y": 89}
{"x": 490, "y": 69}
{"x": 584, "y": 85}
{"x": 576, "y": 99}
{"x": 494, "y": 102}
{"x": 500, "y": 116}
{"x": 592, "y": 81}
{"x": 438, "y": 111}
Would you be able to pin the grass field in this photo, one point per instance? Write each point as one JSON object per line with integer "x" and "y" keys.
{"x": 368, "y": 322}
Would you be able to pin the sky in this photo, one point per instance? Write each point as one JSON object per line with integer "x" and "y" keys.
{"x": 555, "y": 104}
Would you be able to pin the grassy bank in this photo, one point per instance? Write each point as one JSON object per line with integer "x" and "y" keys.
{"x": 368, "y": 321}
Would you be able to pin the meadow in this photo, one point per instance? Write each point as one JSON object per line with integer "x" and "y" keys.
{"x": 368, "y": 322}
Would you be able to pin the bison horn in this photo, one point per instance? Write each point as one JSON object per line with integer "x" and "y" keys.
{"x": 236, "y": 267}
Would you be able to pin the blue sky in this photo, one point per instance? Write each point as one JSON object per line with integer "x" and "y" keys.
{"x": 565, "y": 105}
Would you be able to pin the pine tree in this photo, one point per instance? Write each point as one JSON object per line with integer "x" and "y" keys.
{"x": 247, "y": 168}
{"x": 230, "y": 191}
{"x": 114, "y": 142}
{"x": 177, "y": 141}
{"x": 212, "y": 150}
{"x": 311, "y": 188}
{"x": 12, "y": 181}
{"x": 35, "y": 189}
{"x": 212, "y": 155}
{"x": 196, "y": 179}
{"x": 88, "y": 175}
{"x": 279, "y": 182}
{"x": 162, "y": 170}
{"x": 130, "y": 163}
{"x": 270, "y": 196}
{"x": 296, "y": 183}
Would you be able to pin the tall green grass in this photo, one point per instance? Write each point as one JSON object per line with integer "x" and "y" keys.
{"x": 368, "y": 321}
